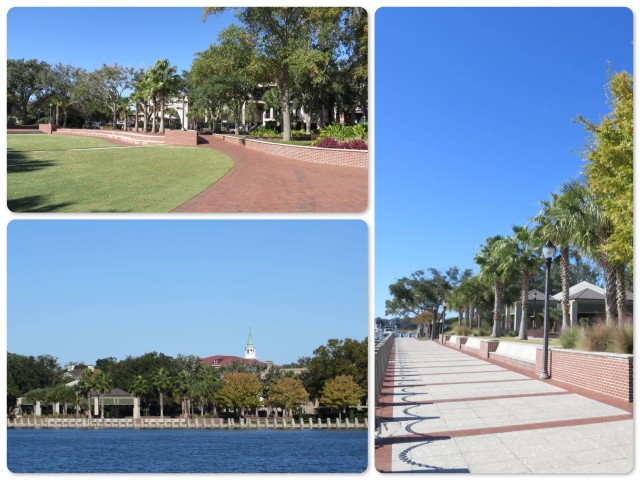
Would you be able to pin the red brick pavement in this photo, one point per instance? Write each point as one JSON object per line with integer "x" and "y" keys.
{"x": 259, "y": 182}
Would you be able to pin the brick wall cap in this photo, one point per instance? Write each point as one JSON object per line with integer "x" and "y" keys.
{"x": 625, "y": 356}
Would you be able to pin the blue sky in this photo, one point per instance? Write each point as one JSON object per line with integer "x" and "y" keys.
{"x": 83, "y": 290}
{"x": 89, "y": 37}
{"x": 475, "y": 111}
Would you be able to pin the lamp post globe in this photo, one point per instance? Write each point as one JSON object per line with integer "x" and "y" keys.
{"x": 548, "y": 252}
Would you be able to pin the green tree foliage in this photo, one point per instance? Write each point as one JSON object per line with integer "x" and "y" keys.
{"x": 25, "y": 82}
{"x": 240, "y": 391}
{"x": 337, "y": 357}
{"x": 26, "y": 373}
{"x": 609, "y": 156}
{"x": 287, "y": 393}
{"x": 341, "y": 392}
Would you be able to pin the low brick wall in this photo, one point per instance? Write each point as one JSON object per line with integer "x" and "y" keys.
{"x": 47, "y": 128}
{"x": 530, "y": 367}
{"x": 608, "y": 373}
{"x": 128, "y": 137}
{"x": 327, "y": 156}
{"x": 187, "y": 138}
{"x": 488, "y": 346}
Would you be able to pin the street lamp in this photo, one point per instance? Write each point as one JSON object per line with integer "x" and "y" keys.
{"x": 548, "y": 252}
{"x": 444, "y": 311}
{"x": 50, "y": 113}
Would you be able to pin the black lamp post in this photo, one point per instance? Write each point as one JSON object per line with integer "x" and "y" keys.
{"x": 548, "y": 252}
{"x": 50, "y": 113}
{"x": 444, "y": 311}
{"x": 535, "y": 297}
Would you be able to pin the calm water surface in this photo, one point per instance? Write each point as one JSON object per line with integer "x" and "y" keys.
{"x": 186, "y": 451}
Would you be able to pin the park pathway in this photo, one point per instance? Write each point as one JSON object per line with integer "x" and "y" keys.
{"x": 260, "y": 182}
{"x": 442, "y": 410}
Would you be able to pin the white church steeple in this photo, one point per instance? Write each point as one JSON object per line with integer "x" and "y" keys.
{"x": 250, "y": 349}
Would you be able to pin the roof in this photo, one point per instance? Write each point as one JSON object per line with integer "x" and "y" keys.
{"x": 586, "y": 291}
{"x": 223, "y": 360}
{"x": 535, "y": 295}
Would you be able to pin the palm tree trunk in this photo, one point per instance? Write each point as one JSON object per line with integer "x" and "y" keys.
{"x": 153, "y": 118}
{"x": 162, "y": 115}
{"x": 101, "y": 406}
{"x": 145, "y": 118}
{"x": 609, "y": 291}
{"x": 564, "y": 274}
{"x": 497, "y": 306}
{"x": 286, "y": 119}
{"x": 621, "y": 295}
{"x": 524, "y": 298}
{"x": 161, "y": 405}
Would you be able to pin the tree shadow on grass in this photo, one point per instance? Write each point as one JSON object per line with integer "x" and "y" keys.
{"x": 35, "y": 203}
{"x": 18, "y": 162}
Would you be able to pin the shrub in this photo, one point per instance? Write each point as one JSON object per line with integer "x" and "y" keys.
{"x": 263, "y": 132}
{"x": 623, "y": 339}
{"x": 510, "y": 333}
{"x": 11, "y": 121}
{"x": 461, "y": 330}
{"x": 598, "y": 339}
{"x": 299, "y": 133}
{"x": 483, "y": 331}
{"x": 329, "y": 142}
{"x": 569, "y": 337}
{"x": 344, "y": 132}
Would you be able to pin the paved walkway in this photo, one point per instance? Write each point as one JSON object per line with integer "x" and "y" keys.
{"x": 259, "y": 182}
{"x": 442, "y": 410}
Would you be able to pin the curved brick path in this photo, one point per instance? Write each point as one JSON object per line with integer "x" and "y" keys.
{"x": 441, "y": 410}
{"x": 259, "y": 182}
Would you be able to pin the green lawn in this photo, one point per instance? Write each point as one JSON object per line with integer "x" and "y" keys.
{"x": 28, "y": 143}
{"x": 112, "y": 179}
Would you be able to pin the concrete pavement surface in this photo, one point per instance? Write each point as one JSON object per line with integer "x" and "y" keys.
{"x": 442, "y": 410}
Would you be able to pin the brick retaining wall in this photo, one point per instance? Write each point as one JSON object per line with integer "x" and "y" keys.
{"x": 608, "y": 373}
{"x": 327, "y": 156}
{"x": 187, "y": 138}
{"x": 47, "y": 128}
{"x": 128, "y": 137}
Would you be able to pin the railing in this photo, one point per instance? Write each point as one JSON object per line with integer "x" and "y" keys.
{"x": 156, "y": 422}
{"x": 382, "y": 354}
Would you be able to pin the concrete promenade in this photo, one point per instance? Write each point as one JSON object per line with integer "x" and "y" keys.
{"x": 442, "y": 410}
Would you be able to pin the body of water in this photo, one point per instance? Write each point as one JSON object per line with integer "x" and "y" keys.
{"x": 186, "y": 451}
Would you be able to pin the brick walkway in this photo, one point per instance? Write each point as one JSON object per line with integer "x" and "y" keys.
{"x": 442, "y": 410}
{"x": 260, "y": 182}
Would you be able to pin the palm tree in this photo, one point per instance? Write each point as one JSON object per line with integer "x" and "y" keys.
{"x": 162, "y": 382}
{"x": 591, "y": 234}
{"x": 520, "y": 253}
{"x": 102, "y": 384}
{"x": 86, "y": 385}
{"x": 558, "y": 221}
{"x": 182, "y": 389}
{"x": 139, "y": 387}
{"x": 165, "y": 82}
{"x": 491, "y": 262}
